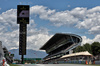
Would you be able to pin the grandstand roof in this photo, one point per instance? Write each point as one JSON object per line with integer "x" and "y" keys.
{"x": 86, "y": 53}
{"x": 54, "y": 39}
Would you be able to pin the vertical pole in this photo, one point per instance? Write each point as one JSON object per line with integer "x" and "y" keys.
{"x": 22, "y": 42}
{"x": 23, "y": 20}
{"x": 22, "y": 62}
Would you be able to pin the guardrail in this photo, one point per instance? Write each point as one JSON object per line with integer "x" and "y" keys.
{"x": 74, "y": 62}
{"x": 97, "y": 62}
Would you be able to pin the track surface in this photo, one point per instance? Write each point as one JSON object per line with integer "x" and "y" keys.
{"x": 54, "y": 65}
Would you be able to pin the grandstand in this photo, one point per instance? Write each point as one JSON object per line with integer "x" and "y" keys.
{"x": 5, "y": 53}
{"x": 59, "y": 45}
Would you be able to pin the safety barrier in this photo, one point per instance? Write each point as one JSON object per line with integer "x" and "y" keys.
{"x": 97, "y": 62}
{"x": 72, "y": 62}
{"x": 75, "y": 62}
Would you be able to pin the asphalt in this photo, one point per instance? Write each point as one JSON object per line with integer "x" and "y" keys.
{"x": 54, "y": 65}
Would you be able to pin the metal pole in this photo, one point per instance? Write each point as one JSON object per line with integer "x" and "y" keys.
{"x": 22, "y": 62}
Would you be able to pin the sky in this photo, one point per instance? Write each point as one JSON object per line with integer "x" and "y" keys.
{"x": 48, "y": 17}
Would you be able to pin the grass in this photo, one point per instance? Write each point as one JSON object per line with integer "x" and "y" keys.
{"x": 14, "y": 65}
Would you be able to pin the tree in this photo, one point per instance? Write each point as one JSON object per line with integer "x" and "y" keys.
{"x": 79, "y": 49}
{"x": 95, "y": 48}
{"x": 87, "y": 47}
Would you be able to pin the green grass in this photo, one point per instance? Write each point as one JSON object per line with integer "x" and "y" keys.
{"x": 14, "y": 65}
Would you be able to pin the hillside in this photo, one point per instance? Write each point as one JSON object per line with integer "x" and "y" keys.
{"x": 29, "y": 54}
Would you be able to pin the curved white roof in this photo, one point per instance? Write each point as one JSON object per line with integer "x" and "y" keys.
{"x": 86, "y": 53}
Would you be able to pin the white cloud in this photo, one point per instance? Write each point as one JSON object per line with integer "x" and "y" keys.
{"x": 38, "y": 40}
{"x": 42, "y": 11}
{"x": 90, "y": 41}
{"x": 95, "y": 30}
{"x": 0, "y": 8}
{"x": 79, "y": 13}
{"x": 37, "y": 37}
{"x": 8, "y": 19}
{"x": 86, "y": 40}
{"x": 78, "y": 17}
{"x": 95, "y": 9}
{"x": 97, "y": 38}
{"x": 9, "y": 32}
{"x": 57, "y": 18}
{"x": 91, "y": 20}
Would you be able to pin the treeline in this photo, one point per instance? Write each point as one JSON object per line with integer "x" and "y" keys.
{"x": 93, "y": 48}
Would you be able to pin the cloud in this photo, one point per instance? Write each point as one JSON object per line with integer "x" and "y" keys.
{"x": 9, "y": 32}
{"x": 0, "y": 8}
{"x": 9, "y": 29}
{"x": 78, "y": 17}
{"x": 37, "y": 40}
{"x": 8, "y": 19}
{"x": 91, "y": 20}
{"x": 42, "y": 11}
{"x": 94, "y": 10}
{"x": 95, "y": 30}
{"x": 57, "y": 18}
{"x": 90, "y": 41}
{"x": 86, "y": 40}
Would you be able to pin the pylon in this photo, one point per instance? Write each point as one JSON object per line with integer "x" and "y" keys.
{"x": 86, "y": 62}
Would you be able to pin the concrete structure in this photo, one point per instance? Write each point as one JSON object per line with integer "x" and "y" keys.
{"x": 79, "y": 57}
{"x": 1, "y": 50}
{"x": 7, "y": 55}
{"x": 1, "y": 54}
{"x": 59, "y": 45}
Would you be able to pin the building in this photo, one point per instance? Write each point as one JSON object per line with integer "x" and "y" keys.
{"x": 8, "y": 55}
{"x": 59, "y": 45}
{"x": 1, "y": 53}
{"x": 1, "y": 50}
{"x": 79, "y": 57}
{"x": 5, "y": 53}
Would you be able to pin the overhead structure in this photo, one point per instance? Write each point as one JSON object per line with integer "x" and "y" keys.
{"x": 86, "y": 53}
{"x": 60, "y": 44}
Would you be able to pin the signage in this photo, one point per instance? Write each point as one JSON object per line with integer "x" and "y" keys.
{"x": 23, "y": 14}
{"x": 32, "y": 58}
{"x": 23, "y": 20}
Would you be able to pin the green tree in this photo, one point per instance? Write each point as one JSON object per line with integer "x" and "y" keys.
{"x": 87, "y": 47}
{"x": 79, "y": 49}
{"x": 95, "y": 48}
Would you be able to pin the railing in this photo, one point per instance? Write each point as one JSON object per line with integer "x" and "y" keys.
{"x": 71, "y": 47}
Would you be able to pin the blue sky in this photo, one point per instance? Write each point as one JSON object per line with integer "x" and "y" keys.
{"x": 48, "y": 17}
{"x": 59, "y": 5}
